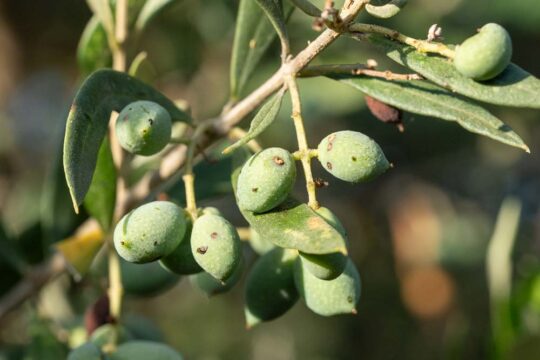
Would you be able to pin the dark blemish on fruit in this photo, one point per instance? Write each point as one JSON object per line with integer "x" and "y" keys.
{"x": 330, "y": 142}
{"x": 255, "y": 189}
{"x": 350, "y": 299}
{"x": 353, "y": 158}
{"x": 155, "y": 243}
{"x": 329, "y": 165}
{"x": 126, "y": 118}
{"x": 202, "y": 249}
{"x": 214, "y": 235}
{"x": 122, "y": 243}
{"x": 151, "y": 121}
{"x": 278, "y": 160}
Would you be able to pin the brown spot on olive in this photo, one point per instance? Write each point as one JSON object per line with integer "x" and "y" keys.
{"x": 279, "y": 160}
{"x": 151, "y": 121}
{"x": 202, "y": 249}
{"x": 255, "y": 189}
{"x": 329, "y": 165}
{"x": 350, "y": 299}
{"x": 353, "y": 158}
{"x": 122, "y": 243}
{"x": 155, "y": 243}
{"x": 330, "y": 142}
{"x": 214, "y": 235}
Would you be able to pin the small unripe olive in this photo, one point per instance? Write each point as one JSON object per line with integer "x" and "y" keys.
{"x": 486, "y": 54}
{"x": 87, "y": 351}
{"x": 144, "y": 350}
{"x": 143, "y": 128}
{"x": 270, "y": 289}
{"x": 210, "y": 210}
{"x": 326, "y": 266}
{"x": 150, "y": 231}
{"x": 215, "y": 245}
{"x": 265, "y": 180}
{"x": 210, "y": 286}
{"x": 329, "y": 297}
{"x": 352, "y": 156}
{"x": 181, "y": 260}
{"x": 104, "y": 334}
{"x": 258, "y": 243}
{"x": 147, "y": 279}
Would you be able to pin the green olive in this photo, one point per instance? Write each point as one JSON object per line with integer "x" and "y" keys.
{"x": 352, "y": 156}
{"x": 215, "y": 245}
{"x": 150, "y": 232}
{"x": 148, "y": 279}
{"x": 104, "y": 334}
{"x": 265, "y": 180}
{"x": 145, "y": 350}
{"x": 87, "y": 351}
{"x": 143, "y": 128}
{"x": 329, "y": 297}
{"x": 486, "y": 54}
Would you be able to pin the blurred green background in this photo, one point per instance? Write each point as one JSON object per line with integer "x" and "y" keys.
{"x": 419, "y": 235}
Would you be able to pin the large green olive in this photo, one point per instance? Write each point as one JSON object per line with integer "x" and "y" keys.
{"x": 143, "y": 128}
{"x": 265, "y": 180}
{"x": 270, "y": 289}
{"x": 150, "y": 232}
{"x": 215, "y": 245}
{"x": 352, "y": 156}
{"x": 486, "y": 54}
{"x": 329, "y": 297}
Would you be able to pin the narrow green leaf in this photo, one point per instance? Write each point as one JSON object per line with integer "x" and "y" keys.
{"x": 102, "y": 92}
{"x": 292, "y": 225}
{"x": 274, "y": 10}
{"x": 101, "y": 197}
{"x": 514, "y": 87}
{"x": 142, "y": 69}
{"x": 93, "y": 51}
{"x": 307, "y": 7}
{"x": 150, "y": 9}
{"x": 421, "y": 97}
{"x": 386, "y": 11}
{"x": 252, "y": 37}
{"x": 264, "y": 118}
{"x": 102, "y": 10}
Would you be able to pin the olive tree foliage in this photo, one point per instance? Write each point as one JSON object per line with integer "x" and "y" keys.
{"x": 117, "y": 117}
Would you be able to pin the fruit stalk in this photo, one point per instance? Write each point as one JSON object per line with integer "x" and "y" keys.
{"x": 304, "y": 151}
{"x": 420, "y": 45}
{"x": 116, "y": 290}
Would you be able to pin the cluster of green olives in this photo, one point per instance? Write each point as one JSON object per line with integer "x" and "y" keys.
{"x": 143, "y": 128}
{"x": 484, "y": 55}
{"x": 329, "y": 284}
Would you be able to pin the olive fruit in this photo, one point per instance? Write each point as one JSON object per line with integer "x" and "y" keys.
{"x": 87, "y": 351}
{"x": 329, "y": 297}
{"x": 104, "y": 334}
{"x": 270, "y": 289}
{"x": 210, "y": 210}
{"x": 215, "y": 245}
{"x": 210, "y": 286}
{"x": 142, "y": 328}
{"x": 258, "y": 243}
{"x": 484, "y": 55}
{"x": 150, "y": 231}
{"x": 146, "y": 279}
{"x": 265, "y": 180}
{"x": 181, "y": 260}
{"x": 143, "y": 128}
{"x": 352, "y": 156}
{"x": 144, "y": 350}
{"x": 326, "y": 266}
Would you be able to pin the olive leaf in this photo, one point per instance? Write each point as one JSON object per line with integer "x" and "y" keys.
{"x": 102, "y": 92}
{"x": 141, "y": 68}
{"x": 421, "y": 97}
{"x": 264, "y": 118}
{"x": 93, "y": 50}
{"x": 513, "y": 87}
{"x": 293, "y": 224}
{"x": 80, "y": 249}
{"x": 101, "y": 197}
{"x": 386, "y": 11}
{"x": 150, "y": 9}
{"x": 253, "y": 35}
{"x": 274, "y": 10}
{"x": 307, "y": 7}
